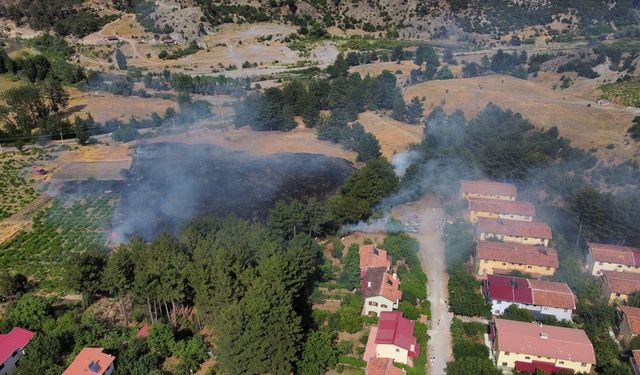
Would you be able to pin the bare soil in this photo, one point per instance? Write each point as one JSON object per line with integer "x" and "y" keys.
{"x": 394, "y": 136}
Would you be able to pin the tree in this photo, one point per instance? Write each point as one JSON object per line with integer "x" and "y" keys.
{"x": 414, "y": 111}
{"x": 472, "y": 365}
{"x": 84, "y": 273}
{"x": 118, "y": 277}
{"x": 161, "y": 339}
{"x": 634, "y": 130}
{"x": 29, "y": 312}
{"x": 192, "y": 353}
{"x": 513, "y": 312}
{"x": 319, "y": 353}
{"x": 367, "y": 147}
{"x": 82, "y": 129}
{"x": 350, "y": 275}
{"x": 11, "y": 284}
{"x": 340, "y": 68}
{"x": 42, "y": 357}
{"x": 121, "y": 60}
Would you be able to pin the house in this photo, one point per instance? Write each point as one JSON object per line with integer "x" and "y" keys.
{"x": 372, "y": 257}
{"x": 381, "y": 291}
{"x": 542, "y": 298}
{"x": 524, "y": 232}
{"x": 612, "y": 258}
{"x": 629, "y": 326}
{"x": 91, "y": 361}
{"x": 12, "y": 346}
{"x": 393, "y": 338}
{"x": 382, "y": 366}
{"x": 143, "y": 332}
{"x": 493, "y": 257}
{"x": 634, "y": 362}
{"x": 499, "y": 209}
{"x": 488, "y": 190}
{"x": 112, "y": 38}
{"x": 618, "y": 286}
{"x": 524, "y": 346}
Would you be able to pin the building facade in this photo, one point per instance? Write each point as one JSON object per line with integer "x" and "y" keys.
{"x": 381, "y": 291}
{"x": 618, "y": 286}
{"x": 392, "y": 338}
{"x": 522, "y": 232}
{"x": 629, "y": 323}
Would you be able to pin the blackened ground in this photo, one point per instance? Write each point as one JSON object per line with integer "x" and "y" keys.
{"x": 170, "y": 182}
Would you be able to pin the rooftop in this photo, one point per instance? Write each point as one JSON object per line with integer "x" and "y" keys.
{"x": 628, "y": 256}
{"x": 382, "y": 366}
{"x": 532, "y": 292}
{"x": 517, "y": 253}
{"x": 17, "y": 339}
{"x": 633, "y": 315}
{"x": 502, "y": 207}
{"x": 542, "y": 340}
{"x": 488, "y": 187}
{"x": 378, "y": 282}
{"x": 372, "y": 257}
{"x": 622, "y": 282}
{"x": 90, "y": 361}
{"x": 394, "y": 329}
{"x": 534, "y": 229}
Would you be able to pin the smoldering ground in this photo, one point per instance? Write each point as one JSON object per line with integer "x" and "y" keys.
{"x": 169, "y": 183}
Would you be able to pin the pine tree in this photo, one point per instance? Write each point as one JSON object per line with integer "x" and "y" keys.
{"x": 414, "y": 111}
{"x": 319, "y": 353}
{"x": 121, "y": 60}
{"x": 368, "y": 148}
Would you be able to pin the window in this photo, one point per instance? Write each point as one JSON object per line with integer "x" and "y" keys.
{"x": 397, "y": 350}
{"x": 504, "y": 264}
{"x": 486, "y": 261}
{"x": 372, "y": 303}
{"x": 384, "y": 306}
{"x": 504, "y": 364}
{"x": 14, "y": 353}
{"x": 619, "y": 265}
{"x": 617, "y": 294}
{"x": 529, "y": 266}
{"x": 583, "y": 364}
{"x": 600, "y": 263}
{"x": 507, "y": 353}
{"x": 1, "y": 366}
{"x": 527, "y": 357}
{"x": 561, "y": 362}
{"x": 526, "y": 239}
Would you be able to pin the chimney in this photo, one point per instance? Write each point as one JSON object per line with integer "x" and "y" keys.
{"x": 368, "y": 284}
{"x": 395, "y": 276}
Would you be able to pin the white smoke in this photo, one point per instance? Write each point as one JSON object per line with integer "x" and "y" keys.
{"x": 402, "y": 161}
{"x": 385, "y": 224}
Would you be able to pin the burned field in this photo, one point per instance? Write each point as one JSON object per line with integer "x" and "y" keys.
{"x": 170, "y": 182}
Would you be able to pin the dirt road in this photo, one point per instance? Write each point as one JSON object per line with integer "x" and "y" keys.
{"x": 429, "y": 213}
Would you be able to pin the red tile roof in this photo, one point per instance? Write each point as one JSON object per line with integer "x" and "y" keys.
{"x": 543, "y": 340}
{"x": 90, "y": 361}
{"x": 396, "y": 330}
{"x": 143, "y": 331}
{"x": 622, "y": 282}
{"x": 517, "y": 253}
{"x": 372, "y": 257}
{"x": 378, "y": 282}
{"x": 529, "y": 291}
{"x": 634, "y": 360}
{"x": 382, "y": 366}
{"x": 533, "y": 229}
{"x": 628, "y": 256}
{"x": 17, "y": 339}
{"x": 502, "y": 207}
{"x": 488, "y": 188}
{"x": 633, "y": 315}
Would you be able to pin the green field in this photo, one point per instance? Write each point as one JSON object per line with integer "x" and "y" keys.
{"x": 625, "y": 93}
{"x": 15, "y": 190}
{"x": 70, "y": 226}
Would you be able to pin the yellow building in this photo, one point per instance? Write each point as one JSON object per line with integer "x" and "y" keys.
{"x": 492, "y": 257}
{"x": 629, "y": 324}
{"x": 499, "y": 209}
{"x": 602, "y": 257}
{"x": 488, "y": 190}
{"x": 523, "y": 232}
{"x": 526, "y": 347}
{"x": 618, "y": 286}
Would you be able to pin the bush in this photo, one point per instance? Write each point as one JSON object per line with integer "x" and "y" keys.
{"x": 125, "y": 134}
{"x": 464, "y": 294}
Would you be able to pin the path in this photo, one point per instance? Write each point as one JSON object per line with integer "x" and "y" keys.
{"x": 22, "y": 219}
{"x": 430, "y": 215}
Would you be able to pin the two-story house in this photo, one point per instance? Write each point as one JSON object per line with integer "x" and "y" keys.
{"x": 499, "y": 209}
{"x": 492, "y": 257}
{"x": 542, "y": 298}
{"x": 618, "y": 286}
{"x": 523, "y": 232}
{"x": 603, "y": 257}
{"x": 487, "y": 190}
{"x": 12, "y": 347}
{"x": 527, "y": 347}
{"x": 91, "y": 361}
{"x": 381, "y": 291}
{"x": 392, "y": 338}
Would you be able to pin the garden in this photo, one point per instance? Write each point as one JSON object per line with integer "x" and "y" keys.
{"x": 624, "y": 93}
{"x": 15, "y": 189}
{"x": 71, "y": 225}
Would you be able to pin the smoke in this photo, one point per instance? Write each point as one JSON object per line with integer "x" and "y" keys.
{"x": 168, "y": 183}
{"x": 402, "y": 161}
{"x": 386, "y": 224}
